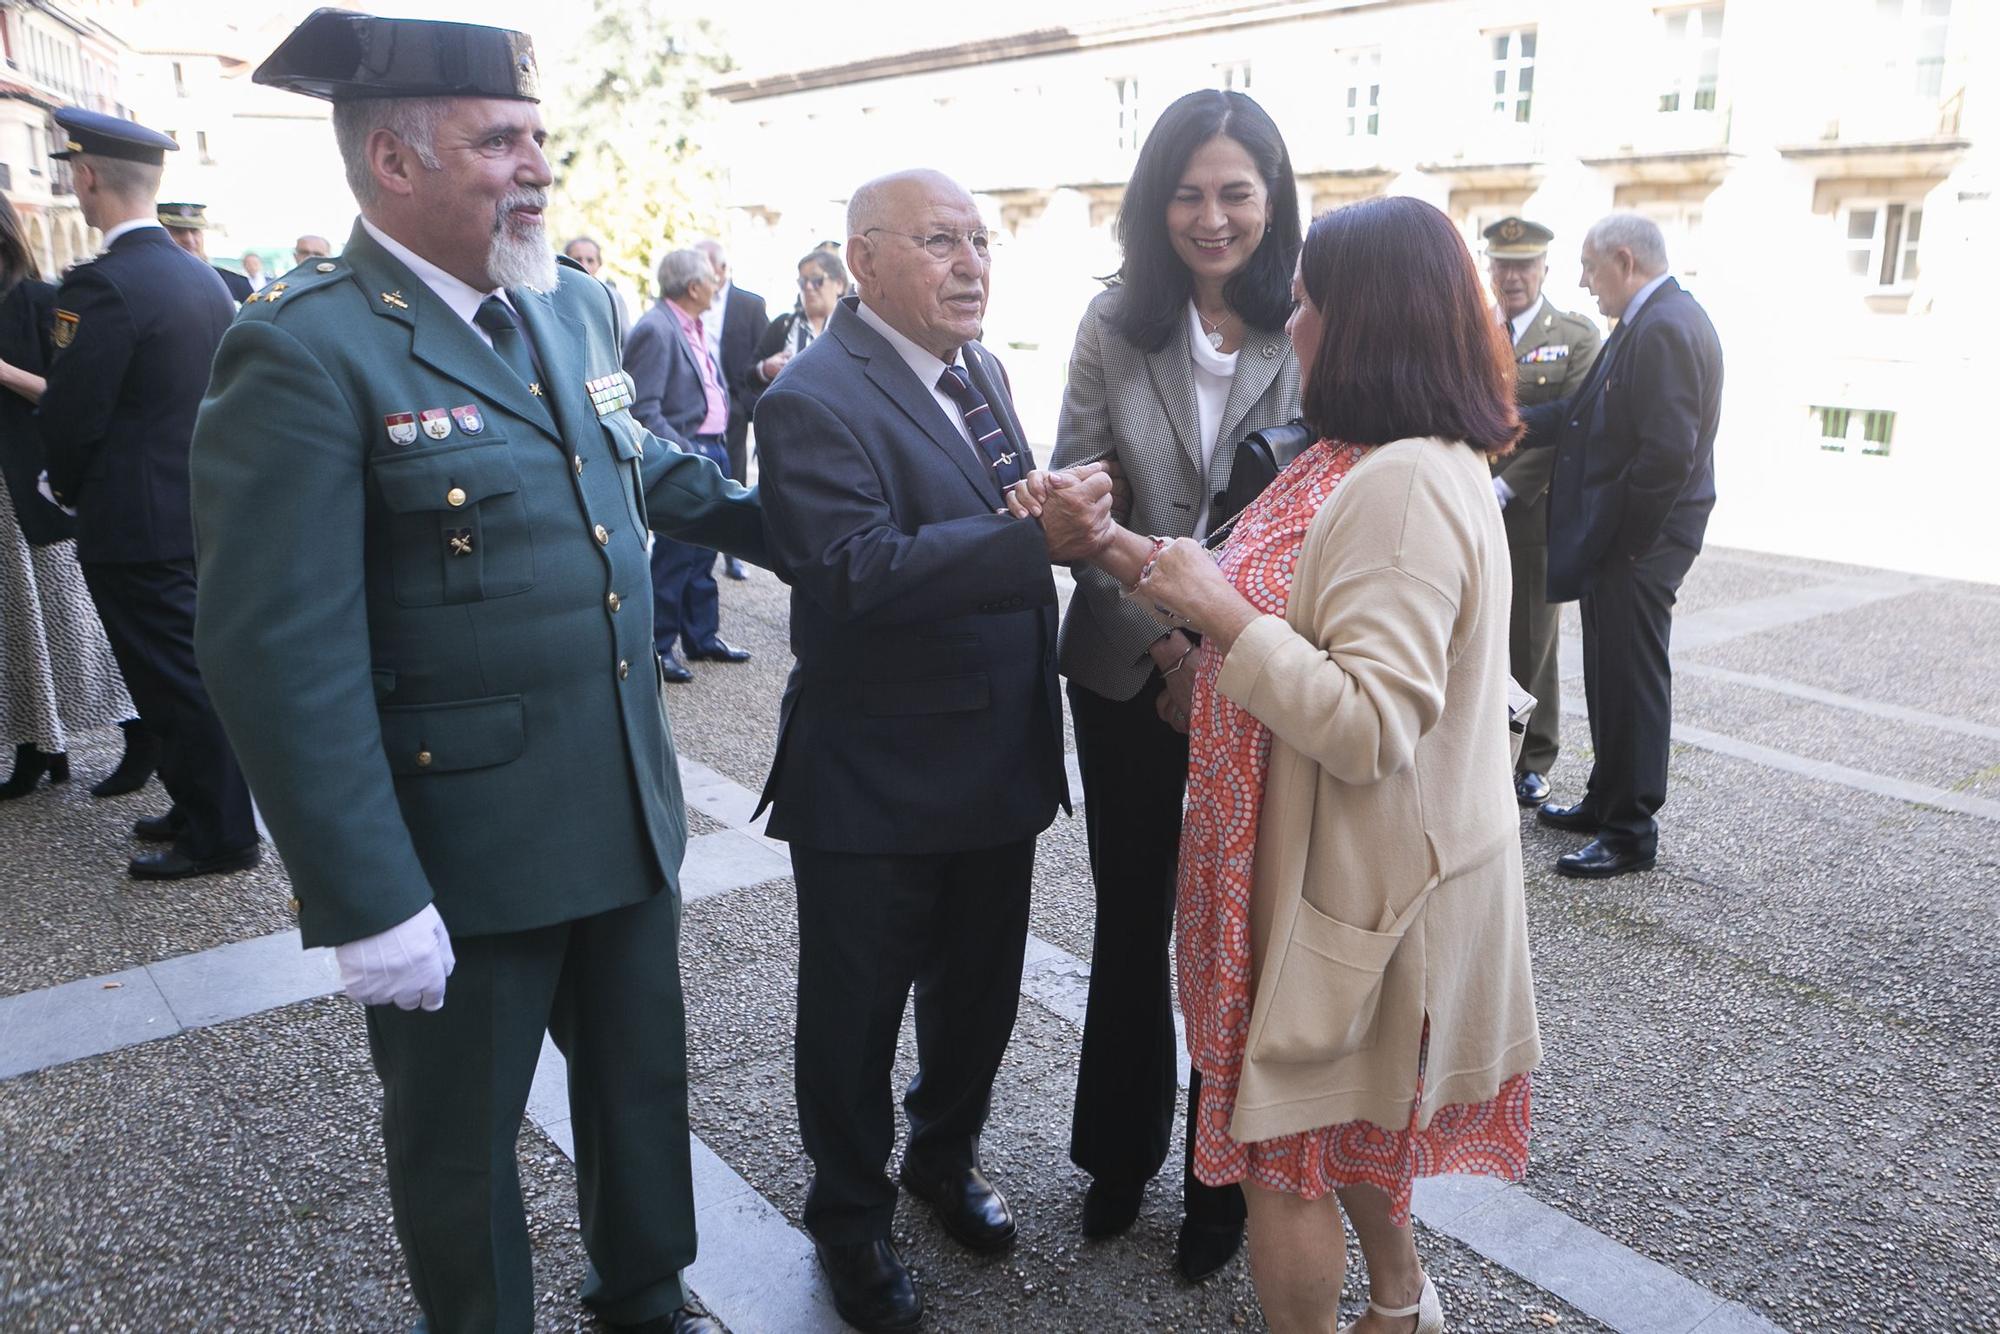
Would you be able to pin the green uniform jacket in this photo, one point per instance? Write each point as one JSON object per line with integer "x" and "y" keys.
{"x": 425, "y": 609}
{"x": 1552, "y": 360}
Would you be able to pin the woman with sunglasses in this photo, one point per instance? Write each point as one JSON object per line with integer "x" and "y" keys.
{"x": 1181, "y": 356}
{"x": 822, "y": 282}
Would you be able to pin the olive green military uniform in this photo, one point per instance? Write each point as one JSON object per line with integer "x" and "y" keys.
{"x": 1551, "y": 360}
{"x": 425, "y": 619}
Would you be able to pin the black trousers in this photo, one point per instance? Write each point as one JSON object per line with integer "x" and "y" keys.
{"x": 1134, "y": 778}
{"x": 954, "y": 925}
{"x": 455, "y": 1085}
{"x": 148, "y": 615}
{"x": 1627, "y": 625}
{"x": 686, "y": 604}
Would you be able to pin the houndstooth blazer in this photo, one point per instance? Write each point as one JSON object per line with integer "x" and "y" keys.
{"x": 1140, "y": 407}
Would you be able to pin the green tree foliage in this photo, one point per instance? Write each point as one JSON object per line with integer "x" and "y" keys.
{"x": 628, "y": 139}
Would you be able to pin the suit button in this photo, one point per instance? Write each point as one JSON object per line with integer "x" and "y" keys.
{"x": 624, "y": 669}
{"x": 612, "y": 602}
{"x": 1541, "y": 379}
{"x": 454, "y": 497}
{"x": 577, "y": 463}
{"x": 295, "y": 907}
{"x": 423, "y": 759}
{"x": 603, "y": 535}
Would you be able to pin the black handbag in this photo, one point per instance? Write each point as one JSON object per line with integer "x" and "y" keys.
{"x": 1260, "y": 457}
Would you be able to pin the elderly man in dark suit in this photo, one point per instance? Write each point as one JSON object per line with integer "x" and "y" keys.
{"x": 135, "y": 330}
{"x": 683, "y": 397}
{"x": 737, "y": 318}
{"x": 1629, "y": 500}
{"x": 920, "y": 748}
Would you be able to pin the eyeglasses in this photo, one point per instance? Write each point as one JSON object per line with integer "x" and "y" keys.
{"x": 813, "y": 284}
{"x": 943, "y": 245}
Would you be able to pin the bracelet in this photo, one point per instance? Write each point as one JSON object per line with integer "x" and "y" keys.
{"x": 1180, "y": 662}
{"x": 1146, "y": 568}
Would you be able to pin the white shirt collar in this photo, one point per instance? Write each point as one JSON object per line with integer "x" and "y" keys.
{"x": 1520, "y": 323}
{"x": 455, "y": 292}
{"x": 1640, "y": 297}
{"x": 129, "y": 225}
{"x": 923, "y": 363}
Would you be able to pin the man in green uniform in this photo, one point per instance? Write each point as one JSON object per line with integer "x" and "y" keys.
{"x": 421, "y": 508}
{"x": 1553, "y": 351}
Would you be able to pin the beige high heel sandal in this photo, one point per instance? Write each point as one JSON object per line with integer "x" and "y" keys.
{"x": 1429, "y": 1311}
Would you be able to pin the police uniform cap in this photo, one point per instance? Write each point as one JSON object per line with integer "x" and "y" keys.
{"x": 100, "y": 135}
{"x": 1517, "y": 238}
{"x": 343, "y": 56}
{"x": 184, "y": 217}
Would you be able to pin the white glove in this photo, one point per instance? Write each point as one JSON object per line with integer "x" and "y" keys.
{"x": 406, "y": 964}
{"x": 1502, "y": 492}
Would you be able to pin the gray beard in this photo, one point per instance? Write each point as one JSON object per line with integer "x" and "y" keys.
{"x": 517, "y": 261}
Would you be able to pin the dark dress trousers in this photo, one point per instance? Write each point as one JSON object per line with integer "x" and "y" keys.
{"x": 424, "y": 615}
{"x": 135, "y": 331}
{"x": 1552, "y": 358}
{"x": 666, "y": 374}
{"x": 919, "y": 754}
{"x": 1629, "y": 499}
{"x": 744, "y": 319}
{"x": 27, "y": 320}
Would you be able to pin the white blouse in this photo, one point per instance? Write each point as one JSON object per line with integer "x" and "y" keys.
{"x": 1214, "y": 372}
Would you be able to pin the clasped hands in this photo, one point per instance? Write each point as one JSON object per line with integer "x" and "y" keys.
{"x": 1075, "y": 508}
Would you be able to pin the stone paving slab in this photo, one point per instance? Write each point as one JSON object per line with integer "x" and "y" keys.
{"x": 82, "y": 1018}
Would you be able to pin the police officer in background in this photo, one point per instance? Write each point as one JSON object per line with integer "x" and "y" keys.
{"x": 188, "y": 225}
{"x": 422, "y": 503}
{"x": 1553, "y": 352}
{"x": 135, "y": 330}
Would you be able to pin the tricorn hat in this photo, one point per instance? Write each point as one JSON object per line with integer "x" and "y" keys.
{"x": 340, "y": 55}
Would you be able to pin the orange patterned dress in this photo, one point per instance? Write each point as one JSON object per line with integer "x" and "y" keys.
{"x": 1229, "y": 757}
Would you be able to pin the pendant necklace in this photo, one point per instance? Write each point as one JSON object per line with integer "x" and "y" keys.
{"x": 1214, "y": 331}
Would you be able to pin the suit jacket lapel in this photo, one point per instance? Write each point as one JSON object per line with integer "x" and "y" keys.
{"x": 991, "y": 378}
{"x": 892, "y": 375}
{"x": 1257, "y": 363}
{"x": 1173, "y": 381}
{"x": 558, "y": 341}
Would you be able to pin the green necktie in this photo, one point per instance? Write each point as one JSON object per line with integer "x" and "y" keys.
{"x": 509, "y": 342}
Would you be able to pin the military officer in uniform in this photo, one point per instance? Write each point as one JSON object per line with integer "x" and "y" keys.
{"x": 188, "y": 225}
{"x": 1553, "y": 351}
{"x": 422, "y": 505}
{"x": 135, "y": 330}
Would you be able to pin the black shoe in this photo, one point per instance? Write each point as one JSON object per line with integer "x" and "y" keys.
{"x": 135, "y": 766}
{"x": 159, "y": 828}
{"x": 673, "y": 669}
{"x": 686, "y": 1320}
{"x": 1202, "y": 1249}
{"x": 733, "y": 568}
{"x": 973, "y": 1212}
{"x": 1530, "y": 788}
{"x": 29, "y": 766}
{"x": 1578, "y": 819}
{"x": 1110, "y": 1207}
{"x": 175, "y": 865}
{"x": 871, "y": 1288}
{"x": 1595, "y": 861}
{"x": 718, "y": 650}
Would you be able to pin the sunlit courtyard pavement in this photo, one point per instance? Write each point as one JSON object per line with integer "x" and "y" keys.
{"x": 1773, "y": 1063}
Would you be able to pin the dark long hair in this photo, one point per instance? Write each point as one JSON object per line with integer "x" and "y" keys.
{"x": 1155, "y": 284}
{"x": 1407, "y": 346}
{"x": 16, "y": 260}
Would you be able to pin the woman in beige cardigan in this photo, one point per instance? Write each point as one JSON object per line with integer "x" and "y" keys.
{"x": 1353, "y": 939}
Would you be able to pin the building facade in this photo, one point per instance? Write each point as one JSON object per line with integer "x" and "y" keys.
{"x": 55, "y": 55}
{"x": 1822, "y": 173}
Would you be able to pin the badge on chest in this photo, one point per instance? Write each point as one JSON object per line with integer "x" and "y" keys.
{"x": 1551, "y": 352}
{"x": 609, "y": 393}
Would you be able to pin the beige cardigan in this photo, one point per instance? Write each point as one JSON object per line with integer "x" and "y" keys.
{"x": 1388, "y": 874}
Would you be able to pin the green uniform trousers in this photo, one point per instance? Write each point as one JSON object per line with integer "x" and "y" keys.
{"x": 1534, "y": 637}
{"x": 455, "y": 1087}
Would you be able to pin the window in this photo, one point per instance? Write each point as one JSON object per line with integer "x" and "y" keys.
{"x": 1513, "y": 64}
{"x": 1234, "y": 75}
{"x": 1868, "y": 430}
{"x": 1358, "y": 93}
{"x": 1125, "y": 92}
{"x": 1692, "y": 50}
{"x": 180, "y": 81}
{"x": 1911, "y": 36}
{"x": 201, "y": 145}
{"x": 1881, "y": 242}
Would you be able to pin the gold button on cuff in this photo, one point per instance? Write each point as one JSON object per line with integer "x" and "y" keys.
{"x": 295, "y": 907}
{"x": 423, "y": 759}
{"x": 454, "y": 497}
{"x": 612, "y": 602}
{"x": 603, "y": 535}
{"x": 624, "y": 669}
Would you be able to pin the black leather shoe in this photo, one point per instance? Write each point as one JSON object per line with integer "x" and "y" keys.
{"x": 135, "y": 766}
{"x": 686, "y": 1320}
{"x": 158, "y": 828}
{"x": 871, "y": 1288}
{"x": 1202, "y": 1249}
{"x": 1110, "y": 1207}
{"x": 1595, "y": 861}
{"x": 734, "y": 569}
{"x": 1578, "y": 819}
{"x": 718, "y": 650}
{"x": 1530, "y": 788}
{"x": 973, "y": 1212}
{"x": 173, "y": 865}
{"x": 673, "y": 669}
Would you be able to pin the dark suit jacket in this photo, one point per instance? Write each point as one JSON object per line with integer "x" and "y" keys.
{"x": 136, "y": 329}
{"x": 26, "y": 314}
{"x": 666, "y": 374}
{"x": 743, "y": 322}
{"x": 921, "y": 715}
{"x": 238, "y": 285}
{"x": 1635, "y": 447}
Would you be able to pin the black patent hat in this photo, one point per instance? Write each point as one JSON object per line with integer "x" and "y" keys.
{"x": 340, "y": 55}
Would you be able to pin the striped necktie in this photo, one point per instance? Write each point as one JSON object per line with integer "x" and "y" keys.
{"x": 980, "y": 421}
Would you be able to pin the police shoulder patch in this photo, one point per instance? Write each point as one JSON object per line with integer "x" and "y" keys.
{"x": 65, "y": 329}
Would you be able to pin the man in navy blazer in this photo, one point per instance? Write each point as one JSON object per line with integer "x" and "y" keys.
{"x": 1629, "y": 500}
{"x": 920, "y": 747}
{"x": 682, "y": 396}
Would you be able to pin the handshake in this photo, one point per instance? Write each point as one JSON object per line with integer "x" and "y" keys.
{"x": 1078, "y": 508}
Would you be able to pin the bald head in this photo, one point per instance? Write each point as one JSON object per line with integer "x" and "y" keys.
{"x": 937, "y": 301}
{"x": 886, "y": 200}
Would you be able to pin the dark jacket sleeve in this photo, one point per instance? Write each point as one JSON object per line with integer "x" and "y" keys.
{"x": 1663, "y": 369}
{"x": 76, "y": 408}
{"x": 646, "y": 361}
{"x": 689, "y": 498}
{"x": 838, "y": 539}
